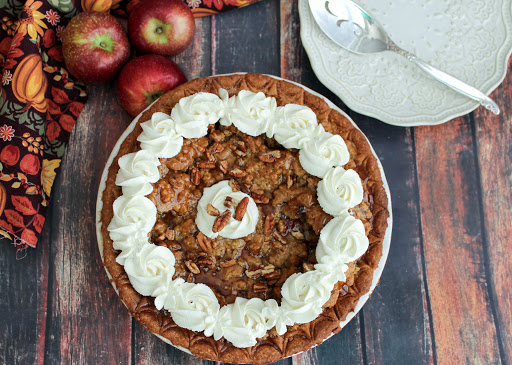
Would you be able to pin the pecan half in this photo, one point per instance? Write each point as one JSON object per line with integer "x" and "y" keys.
{"x": 259, "y": 288}
{"x": 216, "y": 148}
{"x": 235, "y": 186}
{"x": 160, "y": 238}
{"x": 237, "y": 172}
{"x": 195, "y": 176}
{"x": 223, "y": 166}
{"x": 207, "y": 261}
{"x": 241, "y": 208}
{"x": 260, "y": 198}
{"x": 266, "y": 157}
{"x": 175, "y": 246}
{"x": 228, "y": 263}
{"x": 170, "y": 234}
{"x": 276, "y": 154}
{"x": 289, "y": 181}
{"x": 274, "y": 275}
{"x": 242, "y": 146}
{"x": 204, "y": 242}
{"x": 221, "y": 221}
{"x": 279, "y": 237}
{"x": 307, "y": 266}
{"x": 268, "y": 227}
{"x": 192, "y": 267}
{"x": 211, "y": 210}
{"x": 204, "y": 164}
{"x": 253, "y": 272}
{"x": 228, "y": 202}
{"x": 298, "y": 235}
{"x": 210, "y": 156}
{"x": 267, "y": 269}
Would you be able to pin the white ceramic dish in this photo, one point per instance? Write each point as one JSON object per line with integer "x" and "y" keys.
{"x": 386, "y": 242}
{"x": 470, "y": 39}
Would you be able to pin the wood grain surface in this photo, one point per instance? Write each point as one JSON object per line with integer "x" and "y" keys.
{"x": 444, "y": 296}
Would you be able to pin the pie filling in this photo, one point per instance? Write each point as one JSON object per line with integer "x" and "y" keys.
{"x": 244, "y": 226}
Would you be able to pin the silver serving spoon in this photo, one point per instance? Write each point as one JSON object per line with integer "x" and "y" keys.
{"x": 351, "y": 27}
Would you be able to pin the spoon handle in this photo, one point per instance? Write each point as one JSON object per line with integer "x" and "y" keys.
{"x": 448, "y": 80}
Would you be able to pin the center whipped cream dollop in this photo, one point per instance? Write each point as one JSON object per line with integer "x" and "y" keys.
{"x": 216, "y": 196}
{"x": 150, "y": 268}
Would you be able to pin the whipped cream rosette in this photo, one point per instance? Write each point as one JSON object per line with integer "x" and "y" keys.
{"x": 150, "y": 268}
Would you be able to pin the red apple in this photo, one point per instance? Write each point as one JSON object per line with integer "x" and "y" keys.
{"x": 163, "y": 27}
{"x": 144, "y": 79}
{"x": 95, "y": 47}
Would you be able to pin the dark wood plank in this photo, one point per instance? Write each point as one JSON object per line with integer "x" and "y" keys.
{"x": 494, "y": 146}
{"x": 149, "y": 349}
{"x": 87, "y": 323}
{"x": 337, "y": 350}
{"x": 396, "y": 318}
{"x": 247, "y": 39}
{"x": 24, "y": 288}
{"x": 454, "y": 254}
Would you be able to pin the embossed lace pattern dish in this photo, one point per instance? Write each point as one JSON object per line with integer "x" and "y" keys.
{"x": 470, "y": 39}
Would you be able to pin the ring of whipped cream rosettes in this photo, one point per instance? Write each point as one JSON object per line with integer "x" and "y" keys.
{"x": 150, "y": 268}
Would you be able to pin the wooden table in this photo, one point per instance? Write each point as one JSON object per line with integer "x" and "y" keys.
{"x": 445, "y": 295}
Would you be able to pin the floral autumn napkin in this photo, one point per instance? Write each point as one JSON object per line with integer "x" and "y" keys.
{"x": 40, "y": 103}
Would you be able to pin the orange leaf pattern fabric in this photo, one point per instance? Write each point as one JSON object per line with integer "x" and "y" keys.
{"x": 40, "y": 102}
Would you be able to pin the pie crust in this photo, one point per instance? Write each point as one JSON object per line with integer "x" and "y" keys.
{"x": 299, "y": 337}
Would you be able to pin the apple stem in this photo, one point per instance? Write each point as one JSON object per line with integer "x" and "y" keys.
{"x": 159, "y": 30}
{"x": 103, "y": 45}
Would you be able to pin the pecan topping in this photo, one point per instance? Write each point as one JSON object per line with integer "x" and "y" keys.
{"x": 204, "y": 242}
{"x": 207, "y": 261}
{"x": 170, "y": 234}
{"x": 266, "y": 157}
{"x": 175, "y": 246}
{"x": 210, "y": 156}
{"x": 237, "y": 172}
{"x": 241, "y": 208}
{"x": 242, "y": 146}
{"x": 223, "y": 166}
{"x": 195, "y": 176}
{"x": 228, "y": 202}
{"x": 267, "y": 269}
{"x": 211, "y": 210}
{"x": 190, "y": 278}
{"x": 240, "y": 153}
{"x": 274, "y": 275}
{"x": 192, "y": 267}
{"x": 269, "y": 224}
{"x": 307, "y": 266}
{"x": 160, "y": 238}
{"x": 221, "y": 221}
{"x": 276, "y": 154}
{"x": 260, "y": 198}
{"x": 204, "y": 164}
{"x": 216, "y": 148}
{"x": 259, "y": 288}
{"x": 235, "y": 186}
{"x": 228, "y": 263}
{"x": 289, "y": 181}
{"x": 253, "y": 272}
{"x": 298, "y": 235}
{"x": 279, "y": 237}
